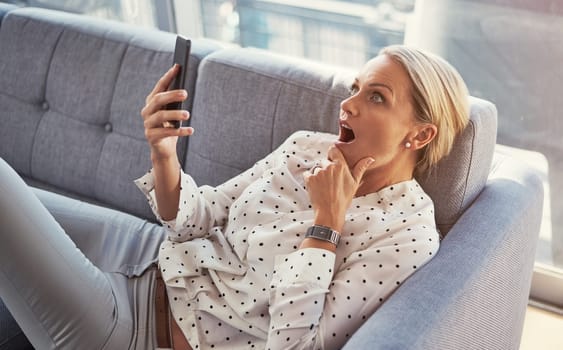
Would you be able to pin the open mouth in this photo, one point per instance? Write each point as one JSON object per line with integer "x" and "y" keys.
{"x": 346, "y": 134}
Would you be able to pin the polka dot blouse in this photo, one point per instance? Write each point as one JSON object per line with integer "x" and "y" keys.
{"x": 237, "y": 280}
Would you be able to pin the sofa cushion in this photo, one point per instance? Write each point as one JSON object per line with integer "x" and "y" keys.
{"x": 249, "y": 101}
{"x": 71, "y": 98}
{"x": 458, "y": 178}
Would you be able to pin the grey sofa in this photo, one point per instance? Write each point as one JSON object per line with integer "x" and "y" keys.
{"x": 71, "y": 90}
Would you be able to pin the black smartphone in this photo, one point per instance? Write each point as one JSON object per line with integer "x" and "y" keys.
{"x": 181, "y": 57}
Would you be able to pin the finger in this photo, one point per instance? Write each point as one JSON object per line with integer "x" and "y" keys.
{"x": 314, "y": 168}
{"x": 164, "y": 82}
{"x": 155, "y": 135}
{"x": 163, "y": 117}
{"x": 306, "y": 177}
{"x": 160, "y": 100}
{"x": 361, "y": 167}
{"x": 158, "y": 119}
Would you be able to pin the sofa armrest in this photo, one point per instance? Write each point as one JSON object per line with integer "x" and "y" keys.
{"x": 4, "y": 9}
{"x": 473, "y": 294}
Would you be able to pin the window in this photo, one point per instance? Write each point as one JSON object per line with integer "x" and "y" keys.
{"x": 344, "y": 33}
{"x": 139, "y": 12}
{"x": 508, "y": 51}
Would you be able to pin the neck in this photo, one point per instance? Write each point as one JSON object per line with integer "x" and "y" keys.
{"x": 378, "y": 178}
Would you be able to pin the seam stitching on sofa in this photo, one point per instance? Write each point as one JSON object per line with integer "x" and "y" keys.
{"x": 244, "y": 69}
{"x": 274, "y": 119}
{"x": 17, "y": 98}
{"x": 44, "y": 99}
{"x": 216, "y": 161}
{"x": 473, "y": 128}
{"x": 459, "y": 209}
{"x": 109, "y": 116}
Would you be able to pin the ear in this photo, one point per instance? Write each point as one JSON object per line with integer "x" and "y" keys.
{"x": 424, "y": 134}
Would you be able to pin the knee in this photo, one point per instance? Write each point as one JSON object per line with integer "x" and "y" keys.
{"x": 8, "y": 176}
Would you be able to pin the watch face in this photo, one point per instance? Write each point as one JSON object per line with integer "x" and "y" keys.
{"x": 324, "y": 233}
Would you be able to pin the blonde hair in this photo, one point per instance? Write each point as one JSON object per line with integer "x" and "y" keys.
{"x": 440, "y": 97}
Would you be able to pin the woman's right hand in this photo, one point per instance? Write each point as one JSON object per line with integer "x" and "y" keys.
{"x": 163, "y": 139}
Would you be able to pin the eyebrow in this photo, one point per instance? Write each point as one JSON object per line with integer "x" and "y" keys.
{"x": 356, "y": 81}
{"x": 381, "y": 85}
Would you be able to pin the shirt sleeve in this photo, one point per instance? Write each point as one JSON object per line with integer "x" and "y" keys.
{"x": 297, "y": 296}
{"x": 199, "y": 208}
{"x": 202, "y": 208}
{"x": 312, "y": 309}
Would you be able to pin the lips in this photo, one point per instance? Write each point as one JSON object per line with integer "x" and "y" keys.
{"x": 346, "y": 134}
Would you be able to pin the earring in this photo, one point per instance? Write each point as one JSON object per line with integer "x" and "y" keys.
{"x": 408, "y": 144}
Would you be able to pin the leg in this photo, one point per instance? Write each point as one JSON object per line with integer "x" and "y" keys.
{"x": 123, "y": 246}
{"x": 45, "y": 281}
{"x": 111, "y": 240}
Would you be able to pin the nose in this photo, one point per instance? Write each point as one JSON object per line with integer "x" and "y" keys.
{"x": 348, "y": 107}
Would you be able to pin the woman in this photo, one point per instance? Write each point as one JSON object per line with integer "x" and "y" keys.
{"x": 296, "y": 252}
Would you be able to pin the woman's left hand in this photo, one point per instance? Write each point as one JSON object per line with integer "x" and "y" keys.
{"x": 333, "y": 186}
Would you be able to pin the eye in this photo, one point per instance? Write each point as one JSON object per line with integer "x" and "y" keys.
{"x": 376, "y": 97}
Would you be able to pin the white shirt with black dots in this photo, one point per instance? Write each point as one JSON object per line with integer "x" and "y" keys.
{"x": 237, "y": 280}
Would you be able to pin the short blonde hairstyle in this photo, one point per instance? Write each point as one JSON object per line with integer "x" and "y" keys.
{"x": 440, "y": 97}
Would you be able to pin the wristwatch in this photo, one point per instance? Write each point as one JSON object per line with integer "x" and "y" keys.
{"x": 323, "y": 233}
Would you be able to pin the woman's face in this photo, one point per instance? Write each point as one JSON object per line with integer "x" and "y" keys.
{"x": 377, "y": 119}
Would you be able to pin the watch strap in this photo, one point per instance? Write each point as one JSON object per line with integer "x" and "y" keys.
{"x": 323, "y": 233}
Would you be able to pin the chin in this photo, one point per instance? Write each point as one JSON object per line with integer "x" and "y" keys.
{"x": 348, "y": 153}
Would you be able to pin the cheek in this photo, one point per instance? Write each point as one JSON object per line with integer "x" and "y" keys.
{"x": 380, "y": 139}
{"x": 383, "y": 133}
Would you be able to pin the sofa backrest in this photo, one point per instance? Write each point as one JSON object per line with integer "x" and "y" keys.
{"x": 71, "y": 98}
{"x": 248, "y": 101}
{"x": 71, "y": 91}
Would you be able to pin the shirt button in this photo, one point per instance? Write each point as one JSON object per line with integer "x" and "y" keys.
{"x": 45, "y": 106}
{"x": 108, "y": 127}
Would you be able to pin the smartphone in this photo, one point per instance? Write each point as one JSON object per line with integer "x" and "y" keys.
{"x": 181, "y": 57}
